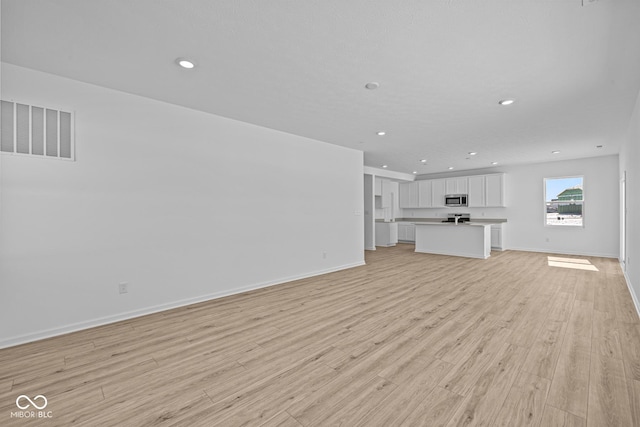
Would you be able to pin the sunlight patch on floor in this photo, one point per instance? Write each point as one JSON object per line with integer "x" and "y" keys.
{"x": 574, "y": 260}
{"x": 574, "y": 263}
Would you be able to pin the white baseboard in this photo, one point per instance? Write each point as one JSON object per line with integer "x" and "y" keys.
{"x": 74, "y": 327}
{"x": 634, "y": 297}
{"x": 552, "y": 251}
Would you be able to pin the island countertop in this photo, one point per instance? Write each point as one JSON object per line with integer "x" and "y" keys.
{"x": 439, "y": 220}
{"x": 461, "y": 224}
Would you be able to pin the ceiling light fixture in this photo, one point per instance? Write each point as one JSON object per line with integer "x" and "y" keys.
{"x": 372, "y": 85}
{"x": 450, "y": 167}
{"x": 423, "y": 160}
{"x": 382, "y": 133}
{"x": 185, "y": 63}
{"x": 415, "y": 172}
{"x": 555, "y": 152}
{"x": 506, "y": 102}
{"x": 472, "y": 153}
{"x": 385, "y": 166}
{"x": 494, "y": 163}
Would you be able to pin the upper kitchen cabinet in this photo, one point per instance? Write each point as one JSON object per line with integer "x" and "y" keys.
{"x": 425, "y": 194}
{"x": 377, "y": 187}
{"x": 494, "y": 187}
{"x": 459, "y": 185}
{"x": 385, "y": 199}
{"x": 418, "y": 194}
{"x": 438, "y": 187}
{"x": 477, "y": 191}
{"x": 486, "y": 190}
{"x": 409, "y": 197}
{"x": 483, "y": 191}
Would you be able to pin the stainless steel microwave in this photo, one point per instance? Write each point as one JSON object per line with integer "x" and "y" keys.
{"x": 455, "y": 200}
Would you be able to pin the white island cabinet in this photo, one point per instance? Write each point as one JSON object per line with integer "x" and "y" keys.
{"x": 472, "y": 240}
{"x": 406, "y": 232}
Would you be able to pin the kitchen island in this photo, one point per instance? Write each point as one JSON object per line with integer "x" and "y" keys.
{"x": 471, "y": 239}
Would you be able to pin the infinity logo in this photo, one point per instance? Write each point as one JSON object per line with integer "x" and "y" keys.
{"x": 35, "y": 405}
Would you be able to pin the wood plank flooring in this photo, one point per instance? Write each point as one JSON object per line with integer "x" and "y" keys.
{"x": 407, "y": 340}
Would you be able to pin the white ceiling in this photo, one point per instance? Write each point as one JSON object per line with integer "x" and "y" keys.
{"x": 300, "y": 66}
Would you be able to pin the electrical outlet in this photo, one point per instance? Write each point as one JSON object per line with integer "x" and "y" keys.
{"x": 123, "y": 288}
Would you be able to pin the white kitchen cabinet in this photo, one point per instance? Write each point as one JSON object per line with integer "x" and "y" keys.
{"x": 409, "y": 195}
{"x": 377, "y": 187}
{"x": 476, "y": 191}
{"x": 494, "y": 190}
{"x": 457, "y": 185}
{"x": 386, "y": 233}
{"x": 486, "y": 191}
{"x": 406, "y": 232}
{"x": 385, "y": 201}
{"x": 438, "y": 193}
{"x": 425, "y": 194}
{"x": 496, "y": 236}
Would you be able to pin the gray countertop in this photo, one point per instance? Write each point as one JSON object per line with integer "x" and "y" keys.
{"x": 439, "y": 220}
{"x": 453, "y": 224}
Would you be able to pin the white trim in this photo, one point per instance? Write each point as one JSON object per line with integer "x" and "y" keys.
{"x": 552, "y": 251}
{"x": 634, "y": 297}
{"x": 15, "y": 127}
{"x": 385, "y": 173}
{"x": 74, "y": 327}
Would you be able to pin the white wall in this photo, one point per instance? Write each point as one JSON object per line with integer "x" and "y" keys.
{"x": 630, "y": 162}
{"x": 181, "y": 204}
{"x": 525, "y": 228}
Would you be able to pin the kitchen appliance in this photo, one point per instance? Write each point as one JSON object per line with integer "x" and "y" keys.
{"x": 455, "y": 200}
{"x": 458, "y": 218}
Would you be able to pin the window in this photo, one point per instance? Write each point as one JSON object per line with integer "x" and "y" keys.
{"x": 36, "y": 131}
{"x": 564, "y": 201}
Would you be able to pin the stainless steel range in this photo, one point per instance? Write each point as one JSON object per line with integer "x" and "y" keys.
{"x": 458, "y": 218}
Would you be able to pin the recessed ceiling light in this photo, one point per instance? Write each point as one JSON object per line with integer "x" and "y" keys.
{"x": 415, "y": 172}
{"x": 385, "y": 166}
{"x": 472, "y": 153}
{"x": 450, "y": 167}
{"x": 506, "y": 102}
{"x": 382, "y": 133}
{"x": 185, "y": 63}
{"x": 494, "y": 163}
{"x": 372, "y": 85}
{"x": 423, "y": 160}
{"x": 555, "y": 152}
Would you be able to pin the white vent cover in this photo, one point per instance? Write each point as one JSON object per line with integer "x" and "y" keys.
{"x": 38, "y": 131}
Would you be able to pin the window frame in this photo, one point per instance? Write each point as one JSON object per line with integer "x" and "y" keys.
{"x": 544, "y": 204}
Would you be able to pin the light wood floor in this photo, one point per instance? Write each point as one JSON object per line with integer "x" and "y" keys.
{"x": 409, "y": 339}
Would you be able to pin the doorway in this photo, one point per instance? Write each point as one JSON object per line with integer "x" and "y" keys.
{"x": 623, "y": 221}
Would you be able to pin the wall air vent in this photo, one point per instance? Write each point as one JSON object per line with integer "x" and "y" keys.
{"x": 36, "y": 131}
